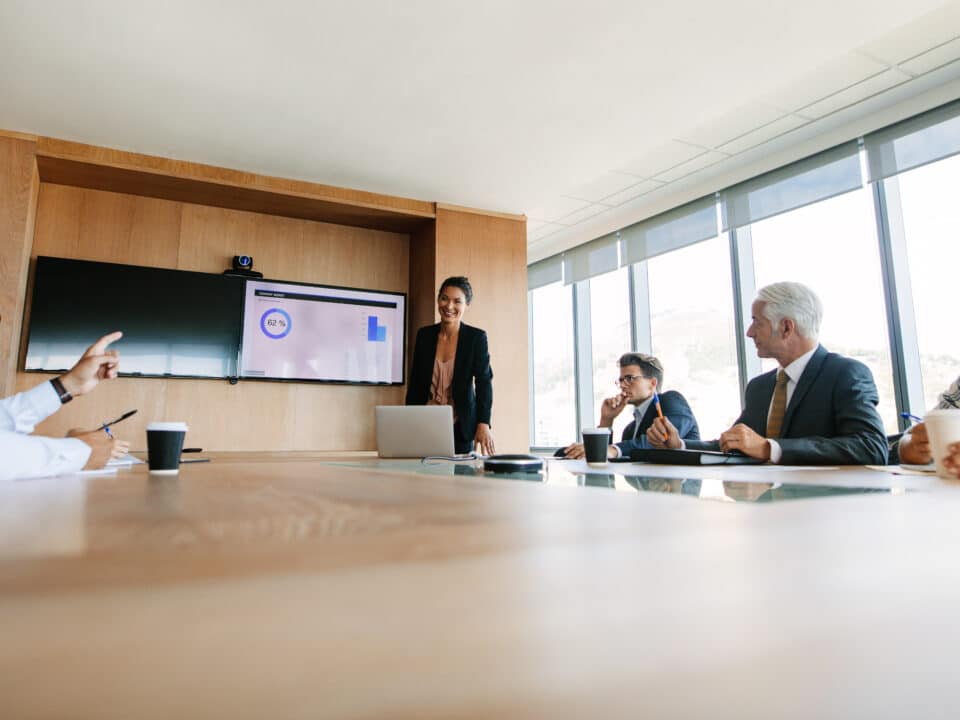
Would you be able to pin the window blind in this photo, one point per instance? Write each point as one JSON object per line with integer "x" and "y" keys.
{"x": 544, "y": 272}
{"x": 594, "y": 258}
{"x": 932, "y": 136}
{"x": 822, "y": 176}
{"x": 672, "y": 230}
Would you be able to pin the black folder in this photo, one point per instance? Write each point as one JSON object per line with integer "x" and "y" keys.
{"x": 691, "y": 457}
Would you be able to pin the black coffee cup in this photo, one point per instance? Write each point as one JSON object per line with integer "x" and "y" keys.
{"x": 595, "y": 442}
{"x": 164, "y": 445}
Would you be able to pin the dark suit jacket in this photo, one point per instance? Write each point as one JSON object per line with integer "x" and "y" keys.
{"x": 831, "y": 418}
{"x": 472, "y": 386}
{"x": 677, "y": 410}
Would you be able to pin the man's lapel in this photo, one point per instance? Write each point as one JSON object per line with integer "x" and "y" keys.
{"x": 810, "y": 373}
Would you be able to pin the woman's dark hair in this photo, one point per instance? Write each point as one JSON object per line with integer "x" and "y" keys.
{"x": 458, "y": 281}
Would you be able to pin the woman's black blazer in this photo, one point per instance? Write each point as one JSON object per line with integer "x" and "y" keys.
{"x": 472, "y": 385}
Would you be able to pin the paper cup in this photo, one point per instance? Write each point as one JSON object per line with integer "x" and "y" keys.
{"x": 943, "y": 427}
{"x": 164, "y": 444}
{"x": 595, "y": 442}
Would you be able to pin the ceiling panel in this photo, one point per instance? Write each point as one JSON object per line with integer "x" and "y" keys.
{"x": 855, "y": 93}
{"x": 937, "y": 57}
{"x": 641, "y": 188}
{"x": 917, "y": 36}
{"x": 583, "y": 214}
{"x": 825, "y": 80}
{"x": 557, "y": 208}
{"x": 711, "y": 157}
{"x": 668, "y": 155}
{"x": 762, "y": 134}
{"x": 543, "y": 230}
{"x": 730, "y": 125}
{"x": 603, "y": 186}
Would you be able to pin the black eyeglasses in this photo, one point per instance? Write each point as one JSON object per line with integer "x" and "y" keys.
{"x": 628, "y": 379}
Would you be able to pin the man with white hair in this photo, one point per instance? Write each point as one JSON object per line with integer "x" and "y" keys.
{"x": 819, "y": 408}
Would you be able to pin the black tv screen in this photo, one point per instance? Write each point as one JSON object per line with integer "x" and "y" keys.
{"x": 175, "y": 323}
{"x": 321, "y": 333}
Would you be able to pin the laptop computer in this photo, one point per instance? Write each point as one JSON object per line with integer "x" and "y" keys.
{"x": 414, "y": 431}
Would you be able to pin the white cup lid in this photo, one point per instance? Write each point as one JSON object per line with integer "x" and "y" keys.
{"x": 596, "y": 431}
{"x": 182, "y": 426}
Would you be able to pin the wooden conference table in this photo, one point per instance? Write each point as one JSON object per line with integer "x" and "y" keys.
{"x": 304, "y": 586}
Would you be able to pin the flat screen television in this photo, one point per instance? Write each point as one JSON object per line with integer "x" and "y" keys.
{"x": 321, "y": 333}
{"x": 175, "y": 323}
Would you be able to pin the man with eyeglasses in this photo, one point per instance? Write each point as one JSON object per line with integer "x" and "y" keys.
{"x": 640, "y": 377}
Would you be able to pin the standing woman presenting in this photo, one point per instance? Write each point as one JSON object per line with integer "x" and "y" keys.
{"x": 451, "y": 366}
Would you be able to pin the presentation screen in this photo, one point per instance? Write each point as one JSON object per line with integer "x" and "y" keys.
{"x": 294, "y": 331}
{"x": 175, "y": 323}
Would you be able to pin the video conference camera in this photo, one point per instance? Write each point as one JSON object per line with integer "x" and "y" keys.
{"x": 243, "y": 266}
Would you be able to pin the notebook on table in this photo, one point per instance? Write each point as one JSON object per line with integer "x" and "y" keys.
{"x": 414, "y": 431}
{"x": 691, "y": 457}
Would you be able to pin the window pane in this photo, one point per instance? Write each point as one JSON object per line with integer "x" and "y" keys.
{"x": 931, "y": 218}
{"x": 554, "y": 406}
{"x": 610, "y": 328}
{"x": 691, "y": 318}
{"x": 832, "y": 247}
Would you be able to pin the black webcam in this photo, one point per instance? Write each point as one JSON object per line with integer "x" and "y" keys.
{"x": 243, "y": 266}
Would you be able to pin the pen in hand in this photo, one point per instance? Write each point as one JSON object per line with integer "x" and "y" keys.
{"x": 911, "y": 416}
{"x": 656, "y": 403}
{"x": 106, "y": 426}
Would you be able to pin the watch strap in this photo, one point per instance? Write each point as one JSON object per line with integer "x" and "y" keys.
{"x": 61, "y": 391}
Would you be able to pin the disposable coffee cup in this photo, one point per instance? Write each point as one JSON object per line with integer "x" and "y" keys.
{"x": 595, "y": 442}
{"x": 164, "y": 444}
{"x": 943, "y": 428}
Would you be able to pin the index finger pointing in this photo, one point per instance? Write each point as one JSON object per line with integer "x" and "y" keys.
{"x": 100, "y": 346}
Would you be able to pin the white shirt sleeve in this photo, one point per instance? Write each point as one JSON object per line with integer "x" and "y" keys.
{"x": 21, "y": 412}
{"x": 27, "y": 456}
{"x": 776, "y": 452}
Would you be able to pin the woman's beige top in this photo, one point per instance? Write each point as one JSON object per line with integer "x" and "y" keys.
{"x": 441, "y": 383}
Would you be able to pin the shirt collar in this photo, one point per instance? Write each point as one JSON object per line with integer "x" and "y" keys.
{"x": 795, "y": 369}
{"x": 640, "y": 410}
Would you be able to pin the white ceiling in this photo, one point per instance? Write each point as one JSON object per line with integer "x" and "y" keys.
{"x": 565, "y": 111}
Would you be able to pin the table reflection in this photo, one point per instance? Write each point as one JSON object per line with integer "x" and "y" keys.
{"x": 625, "y": 479}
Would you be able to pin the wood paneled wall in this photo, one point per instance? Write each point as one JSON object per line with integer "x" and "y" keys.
{"x": 19, "y": 185}
{"x": 95, "y": 225}
{"x": 87, "y": 218}
{"x": 491, "y": 250}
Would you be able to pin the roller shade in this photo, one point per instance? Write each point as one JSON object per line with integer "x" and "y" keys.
{"x": 672, "y": 230}
{"x": 594, "y": 258}
{"x": 822, "y": 176}
{"x": 544, "y": 272}
{"x": 909, "y": 144}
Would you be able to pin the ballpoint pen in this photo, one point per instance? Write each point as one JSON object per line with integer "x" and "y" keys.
{"x": 106, "y": 426}
{"x": 656, "y": 402}
{"x": 911, "y": 416}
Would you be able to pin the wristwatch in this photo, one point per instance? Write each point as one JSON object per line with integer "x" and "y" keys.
{"x": 61, "y": 391}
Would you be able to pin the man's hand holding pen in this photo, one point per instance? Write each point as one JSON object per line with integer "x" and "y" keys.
{"x": 103, "y": 446}
{"x": 663, "y": 434}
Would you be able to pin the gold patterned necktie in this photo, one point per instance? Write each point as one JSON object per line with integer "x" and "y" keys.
{"x": 779, "y": 406}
